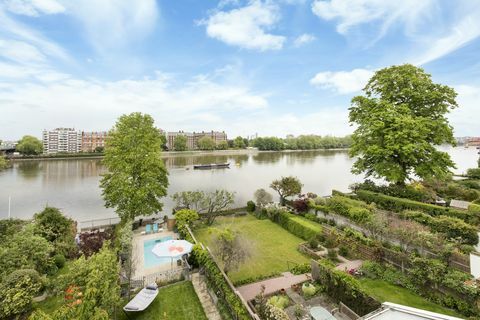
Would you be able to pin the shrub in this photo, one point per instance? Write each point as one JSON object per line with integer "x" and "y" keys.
{"x": 313, "y": 243}
{"x": 301, "y": 268}
{"x": 343, "y": 251}
{"x": 284, "y": 219}
{"x": 473, "y": 173}
{"x": 332, "y": 254}
{"x": 17, "y": 291}
{"x": 308, "y": 289}
{"x": 355, "y": 210}
{"x": 279, "y": 301}
{"x": 300, "y": 205}
{"x": 59, "y": 260}
{"x": 250, "y": 206}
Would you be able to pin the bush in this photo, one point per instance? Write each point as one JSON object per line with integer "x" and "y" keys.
{"x": 300, "y": 205}
{"x": 332, "y": 254}
{"x": 400, "y": 204}
{"x": 284, "y": 219}
{"x": 279, "y": 301}
{"x": 17, "y": 291}
{"x": 250, "y": 206}
{"x": 473, "y": 173}
{"x": 59, "y": 260}
{"x": 301, "y": 268}
{"x": 308, "y": 289}
{"x": 343, "y": 251}
{"x": 355, "y": 210}
{"x": 313, "y": 243}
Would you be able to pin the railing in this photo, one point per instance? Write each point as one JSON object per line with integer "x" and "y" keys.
{"x": 162, "y": 276}
{"x": 97, "y": 223}
{"x": 344, "y": 309}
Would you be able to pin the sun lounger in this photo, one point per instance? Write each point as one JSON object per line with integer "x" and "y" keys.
{"x": 155, "y": 227}
{"x": 143, "y": 299}
{"x": 148, "y": 228}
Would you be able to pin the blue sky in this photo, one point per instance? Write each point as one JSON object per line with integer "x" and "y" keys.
{"x": 267, "y": 67}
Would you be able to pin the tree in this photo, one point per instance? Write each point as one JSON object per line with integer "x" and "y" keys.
{"x": 377, "y": 225}
{"x": 186, "y": 216}
{"x": 400, "y": 120}
{"x": 239, "y": 143}
{"x": 262, "y": 197}
{"x": 222, "y": 145}
{"x": 29, "y": 145}
{"x": 163, "y": 139}
{"x": 3, "y": 163}
{"x": 208, "y": 204}
{"x": 99, "y": 149}
{"x": 231, "y": 249}
{"x": 180, "y": 143}
{"x": 52, "y": 225}
{"x": 137, "y": 177}
{"x": 287, "y": 187}
{"x": 206, "y": 143}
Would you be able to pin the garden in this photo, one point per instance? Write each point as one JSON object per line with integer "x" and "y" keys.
{"x": 273, "y": 249}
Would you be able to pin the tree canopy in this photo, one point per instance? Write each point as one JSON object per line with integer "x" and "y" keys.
{"x": 29, "y": 145}
{"x": 206, "y": 143}
{"x": 180, "y": 143}
{"x": 287, "y": 187}
{"x": 137, "y": 177}
{"x": 3, "y": 163}
{"x": 239, "y": 143}
{"x": 400, "y": 120}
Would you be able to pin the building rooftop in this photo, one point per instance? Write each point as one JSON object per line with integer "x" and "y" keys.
{"x": 393, "y": 311}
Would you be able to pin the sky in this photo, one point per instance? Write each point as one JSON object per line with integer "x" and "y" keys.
{"x": 243, "y": 67}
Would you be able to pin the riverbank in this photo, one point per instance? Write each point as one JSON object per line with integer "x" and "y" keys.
{"x": 167, "y": 154}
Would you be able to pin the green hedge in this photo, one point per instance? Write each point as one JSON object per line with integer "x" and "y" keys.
{"x": 450, "y": 226}
{"x": 473, "y": 173}
{"x": 301, "y": 230}
{"x": 400, "y": 204}
{"x": 343, "y": 287}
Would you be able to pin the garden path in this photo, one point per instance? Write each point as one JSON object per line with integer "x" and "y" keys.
{"x": 287, "y": 279}
{"x": 200, "y": 287}
{"x": 349, "y": 264}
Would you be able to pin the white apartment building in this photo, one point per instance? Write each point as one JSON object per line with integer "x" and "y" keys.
{"x": 62, "y": 140}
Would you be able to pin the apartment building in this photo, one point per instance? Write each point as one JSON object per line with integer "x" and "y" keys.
{"x": 93, "y": 140}
{"x": 66, "y": 140}
{"x": 193, "y": 137}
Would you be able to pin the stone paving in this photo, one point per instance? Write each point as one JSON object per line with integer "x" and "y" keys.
{"x": 200, "y": 287}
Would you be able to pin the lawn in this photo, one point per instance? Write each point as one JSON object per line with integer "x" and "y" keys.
{"x": 271, "y": 246}
{"x": 307, "y": 223}
{"x": 384, "y": 291}
{"x": 175, "y": 302}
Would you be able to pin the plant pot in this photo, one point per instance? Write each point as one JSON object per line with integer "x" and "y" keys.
{"x": 283, "y": 291}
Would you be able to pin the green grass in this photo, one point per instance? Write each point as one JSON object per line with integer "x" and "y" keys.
{"x": 271, "y": 246}
{"x": 384, "y": 291}
{"x": 176, "y": 302}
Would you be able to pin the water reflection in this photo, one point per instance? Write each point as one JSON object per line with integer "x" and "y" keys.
{"x": 28, "y": 169}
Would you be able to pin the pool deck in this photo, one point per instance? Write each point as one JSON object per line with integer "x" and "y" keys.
{"x": 138, "y": 256}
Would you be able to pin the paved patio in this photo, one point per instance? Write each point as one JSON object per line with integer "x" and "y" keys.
{"x": 287, "y": 279}
{"x": 349, "y": 264}
{"x": 138, "y": 254}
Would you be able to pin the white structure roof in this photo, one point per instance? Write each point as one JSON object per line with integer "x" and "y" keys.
{"x": 393, "y": 311}
{"x": 459, "y": 204}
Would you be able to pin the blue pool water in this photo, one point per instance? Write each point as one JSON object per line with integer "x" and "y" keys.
{"x": 149, "y": 259}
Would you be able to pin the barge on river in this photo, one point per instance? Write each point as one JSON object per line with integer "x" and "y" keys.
{"x": 212, "y": 166}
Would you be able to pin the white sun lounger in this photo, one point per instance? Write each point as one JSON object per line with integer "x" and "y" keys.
{"x": 142, "y": 300}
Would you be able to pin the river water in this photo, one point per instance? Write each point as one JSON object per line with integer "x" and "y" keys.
{"x": 72, "y": 185}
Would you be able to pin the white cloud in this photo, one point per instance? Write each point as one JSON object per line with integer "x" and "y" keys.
{"x": 246, "y": 27}
{"x": 350, "y": 13}
{"x": 464, "y": 31}
{"x": 343, "y": 82}
{"x": 465, "y": 119}
{"x": 304, "y": 39}
{"x": 110, "y": 24}
{"x": 34, "y": 8}
{"x": 19, "y": 51}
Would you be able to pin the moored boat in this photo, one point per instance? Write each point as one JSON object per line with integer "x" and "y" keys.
{"x": 212, "y": 166}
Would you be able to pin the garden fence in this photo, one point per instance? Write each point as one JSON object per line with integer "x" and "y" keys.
{"x": 165, "y": 277}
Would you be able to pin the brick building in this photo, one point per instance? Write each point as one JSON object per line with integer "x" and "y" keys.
{"x": 93, "y": 140}
{"x": 193, "y": 137}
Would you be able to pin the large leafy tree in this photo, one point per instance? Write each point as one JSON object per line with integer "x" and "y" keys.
{"x": 180, "y": 143}
{"x": 137, "y": 177}
{"x": 286, "y": 187}
{"x": 29, "y": 145}
{"x": 239, "y": 143}
{"x": 206, "y": 143}
{"x": 231, "y": 248}
{"x": 3, "y": 163}
{"x": 400, "y": 120}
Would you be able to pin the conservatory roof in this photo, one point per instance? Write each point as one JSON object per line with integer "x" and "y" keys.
{"x": 393, "y": 311}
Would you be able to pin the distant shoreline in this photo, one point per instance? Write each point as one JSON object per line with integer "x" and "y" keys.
{"x": 168, "y": 154}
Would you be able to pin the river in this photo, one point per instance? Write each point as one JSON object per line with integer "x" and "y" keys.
{"x": 72, "y": 185}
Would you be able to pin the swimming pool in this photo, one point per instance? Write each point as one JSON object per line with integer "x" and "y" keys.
{"x": 149, "y": 259}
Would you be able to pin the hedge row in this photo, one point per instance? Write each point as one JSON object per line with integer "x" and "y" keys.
{"x": 450, "y": 226}
{"x": 355, "y": 210}
{"x": 286, "y": 220}
{"x": 343, "y": 287}
{"x": 401, "y": 204}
